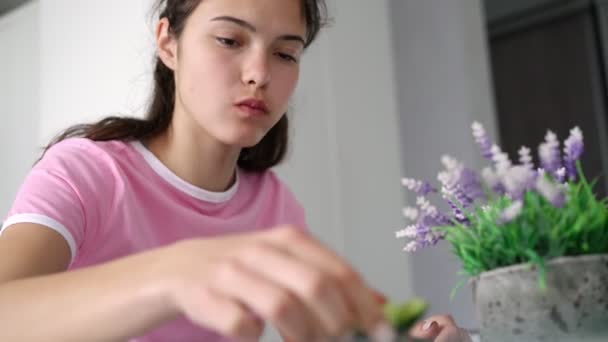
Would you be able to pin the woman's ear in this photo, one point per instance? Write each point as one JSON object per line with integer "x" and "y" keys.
{"x": 166, "y": 44}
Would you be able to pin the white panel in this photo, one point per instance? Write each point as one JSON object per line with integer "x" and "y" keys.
{"x": 443, "y": 78}
{"x": 311, "y": 165}
{"x": 96, "y": 60}
{"x": 19, "y": 71}
{"x": 361, "y": 71}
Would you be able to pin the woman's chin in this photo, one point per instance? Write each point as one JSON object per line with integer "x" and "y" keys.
{"x": 244, "y": 140}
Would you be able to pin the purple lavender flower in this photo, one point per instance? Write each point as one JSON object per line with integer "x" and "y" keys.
{"x": 471, "y": 185}
{"x": 421, "y": 232}
{"x": 460, "y": 187}
{"x": 419, "y": 187}
{"x": 430, "y": 239}
{"x": 573, "y": 149}
{"x": 549, "y": 154}
{"x": 429, "y": 215}
{"x": 479, "y": 133}
{"x": 459, "y": 215}
{"x": 460, "y": 182}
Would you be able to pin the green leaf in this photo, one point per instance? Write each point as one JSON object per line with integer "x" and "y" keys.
{"x": 403, "y": 316}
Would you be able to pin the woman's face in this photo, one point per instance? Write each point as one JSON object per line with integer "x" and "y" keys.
{"x": 236, "y": 66}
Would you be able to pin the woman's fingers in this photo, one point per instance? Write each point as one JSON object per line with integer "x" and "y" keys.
{"x": 441, "y": 328}
{"x": 283, "y": 276}
{"x": 270, "y": 300}
{"x": 359, "y": 299}
{"x": 319, "y": 291}
{"x": 224, "y": 314}
{"x": 426, "y": 330}
{"x": 453, "y": 334}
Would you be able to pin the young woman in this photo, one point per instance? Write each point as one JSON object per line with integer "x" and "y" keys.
{"x": 173, "y": 228}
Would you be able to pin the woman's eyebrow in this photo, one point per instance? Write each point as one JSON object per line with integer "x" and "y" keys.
{"x": 252, "y": 28}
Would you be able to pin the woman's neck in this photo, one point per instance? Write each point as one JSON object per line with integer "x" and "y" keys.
{"x": 196, "y": 158}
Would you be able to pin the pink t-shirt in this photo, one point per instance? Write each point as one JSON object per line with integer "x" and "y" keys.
{"x": 112, "y": 199}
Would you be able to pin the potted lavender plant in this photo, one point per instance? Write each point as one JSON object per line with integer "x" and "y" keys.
{"x": 532, "y": 240}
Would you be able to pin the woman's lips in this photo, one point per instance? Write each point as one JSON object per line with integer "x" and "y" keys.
{"x": 253, "y": 107}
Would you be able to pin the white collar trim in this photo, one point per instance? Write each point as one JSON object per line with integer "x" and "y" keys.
{"x": 173, "y": 179}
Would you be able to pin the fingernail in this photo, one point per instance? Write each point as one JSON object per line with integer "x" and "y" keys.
{"x": 383, "y": 332}
{"x": 427, "y": 325}
{"x": 380, "y": 298}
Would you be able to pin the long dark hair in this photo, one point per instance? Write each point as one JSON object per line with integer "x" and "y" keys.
{"x": 269, "y": 152}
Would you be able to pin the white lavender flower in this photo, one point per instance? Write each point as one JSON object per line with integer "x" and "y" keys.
{"x": 409, "y": 231}
{"x": 419, "y": 187}
{"x": 490, "y": 177}
{"x": 550, "y": 191}
{"x": 410, "y": 213}
{"x": 426, "y": 208}
{"x": 501, "y": 160}
{"x": 479, "y": 133}
{"x": 560, "y": 175}
{"x": 517, "y": 180}
{"x": 549, "y": 154}
{"x": 511, "y": 212}
{"x": 411, "y": 246}
{"x": 540, "y": 172}
{"x": 525, "y": 158}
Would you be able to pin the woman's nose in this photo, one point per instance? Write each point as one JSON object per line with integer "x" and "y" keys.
{"x": 256, "y": 71}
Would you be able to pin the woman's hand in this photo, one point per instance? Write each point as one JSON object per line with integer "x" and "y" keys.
{"x": 439, "y": 329}
{"x": 284, "y": 276}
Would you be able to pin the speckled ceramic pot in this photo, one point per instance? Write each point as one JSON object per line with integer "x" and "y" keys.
{"x": 511, "y": 307}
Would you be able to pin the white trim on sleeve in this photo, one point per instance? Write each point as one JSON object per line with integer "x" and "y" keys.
{"x": 45, "y": 221}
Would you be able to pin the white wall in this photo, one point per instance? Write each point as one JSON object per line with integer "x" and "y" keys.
{"x": 19, "y": 98}
{"x": 347, "y": 134}
{"x": 443, "y": 86}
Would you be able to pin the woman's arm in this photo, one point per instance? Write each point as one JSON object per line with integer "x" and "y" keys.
{"x": 283, "y": 276}
{"x": 110, "y": 302}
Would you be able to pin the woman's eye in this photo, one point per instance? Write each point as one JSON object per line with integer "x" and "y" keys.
{"x": 227, "y": 42}
{"x": 287, "y": 57}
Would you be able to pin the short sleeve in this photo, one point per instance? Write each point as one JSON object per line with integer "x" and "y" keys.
{"x": 292, "y": 211}
{"x": 300, "y": 215}
{"x": 62, "y": 192}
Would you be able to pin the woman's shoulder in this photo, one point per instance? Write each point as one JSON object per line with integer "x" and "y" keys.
{"x": 70, "y": 146}
{"x": 277, "y": 192}
{"x": 77, "y": 158}
{"x": 83, "y": 151}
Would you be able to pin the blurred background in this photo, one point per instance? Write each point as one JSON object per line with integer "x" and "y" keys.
{"x": 388, "y": 88}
